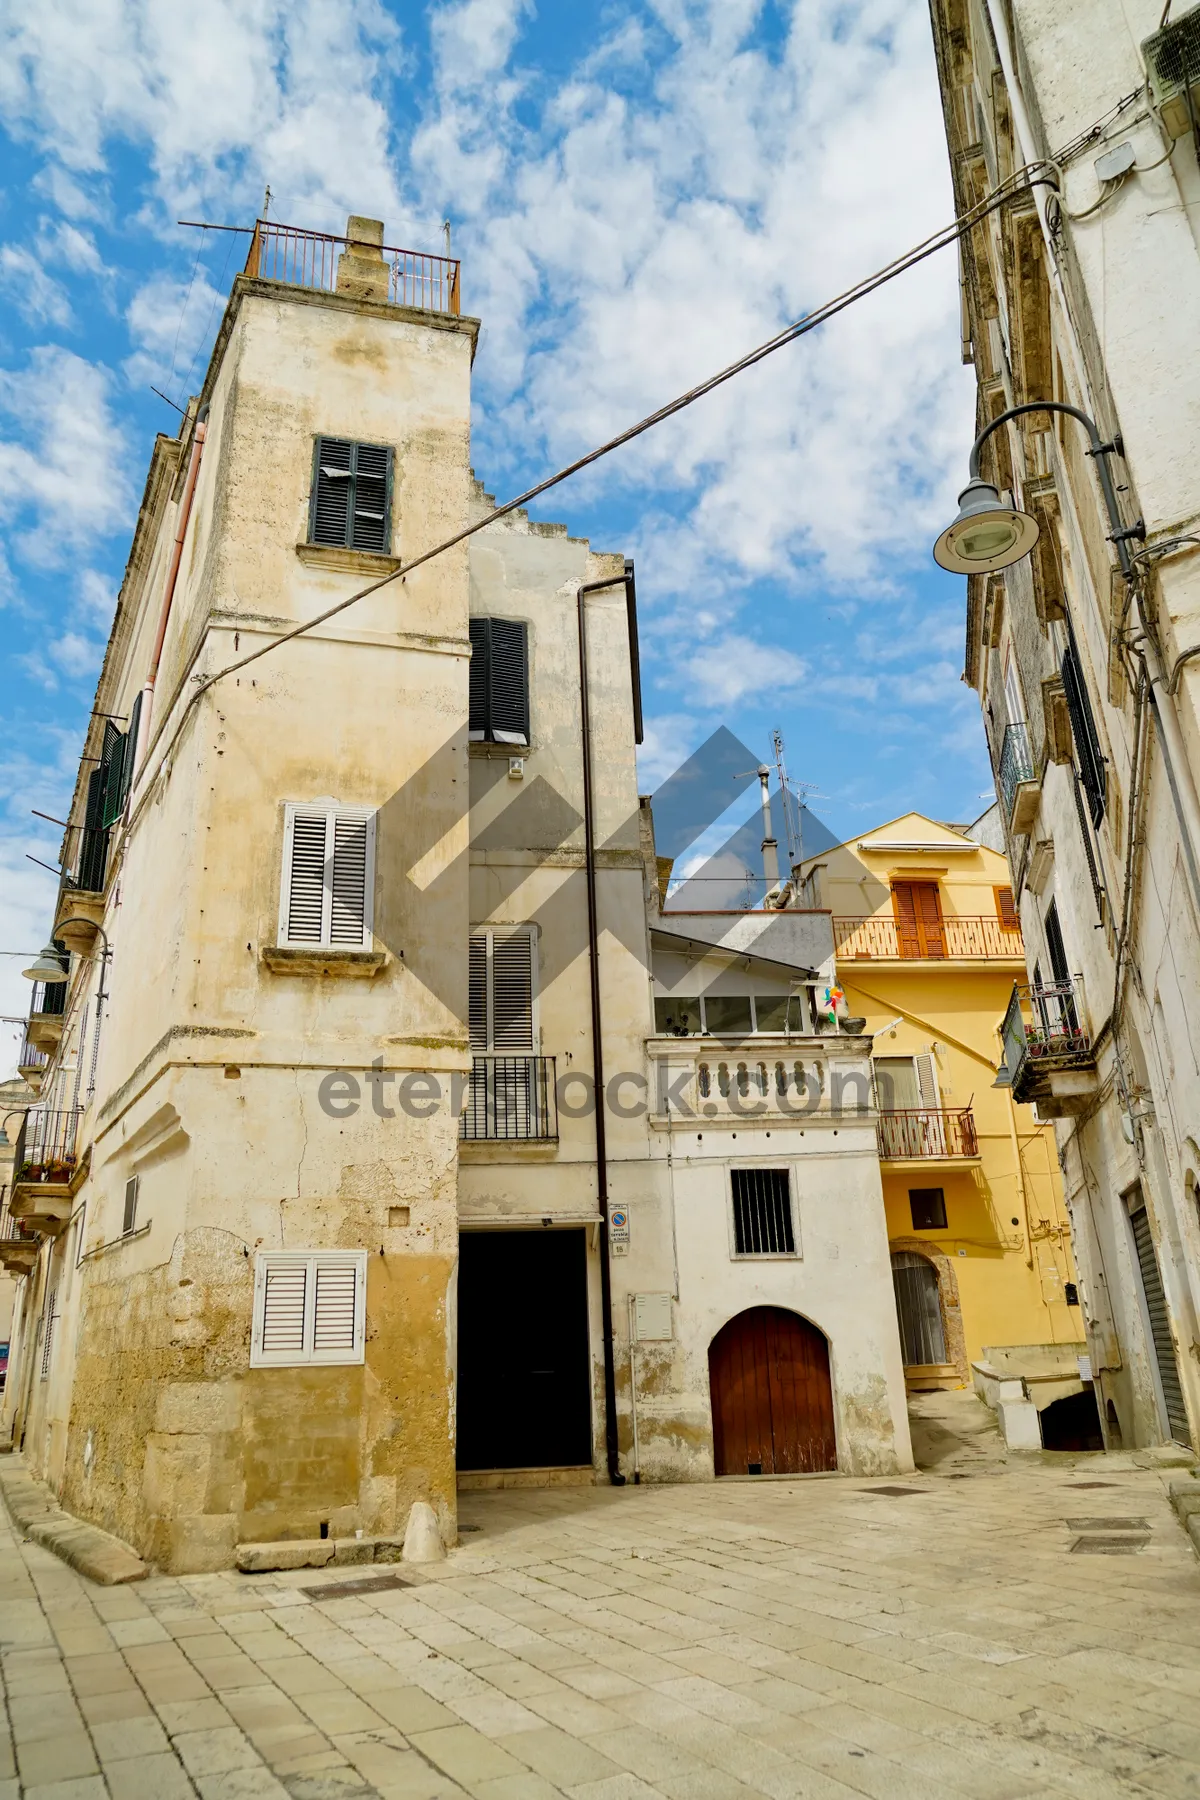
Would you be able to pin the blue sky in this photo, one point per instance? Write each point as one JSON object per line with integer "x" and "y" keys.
{"x": 639, "y": 190}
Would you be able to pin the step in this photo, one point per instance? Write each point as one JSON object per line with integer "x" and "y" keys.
{"x": 36, "y": 1514}
{"x": 316, "y": 1553}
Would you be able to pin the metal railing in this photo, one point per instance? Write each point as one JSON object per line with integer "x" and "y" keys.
{"x": 510, "y": 1097}
{"x": 90, "y": 858}
{"x": 1016, "y": 763}
{"x": 1055, "y": 1029}
{"x": 46, "y": 1145}
{"x": 861, "y": 940}
{"x": 309, "y": 259}
{"x": 30, "y": 1059}
{"x": 911, "y": 1132}
{"x": 49, "y": 999}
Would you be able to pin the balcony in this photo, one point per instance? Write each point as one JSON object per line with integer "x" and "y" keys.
{"x": 928, "y": 1134}
{"x": 31, "y": 1063}
{"x": 44, "y": 1168}
{"x": 1020, "y": 788}
{"x": 963, "y": 940}
{"x": 18, "y": 1245}
{"x": 511, "y": 1099}
{"x": 309, "y": 259}
{"x": 1048, "y": 1049}
{"x": 46, "y": 1012}
{"x": 799, "y": 1081}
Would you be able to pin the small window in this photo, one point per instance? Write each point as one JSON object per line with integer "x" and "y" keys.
{"x": 129, "y": 1223}
{"x": 1006, "y": 909}
{"x": 351, "y": 501}
{"x": 676, "y": 1016}
{"x": 928, "y": 1208}
{"x": 328, "y": 876}
{"x": 727, "y": 1015}
{"x": 499, "y": 682}
{"x": 762, "y": 1212}
{"x": 309, "y": 1307}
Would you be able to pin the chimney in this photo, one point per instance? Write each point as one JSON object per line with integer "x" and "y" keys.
{"x": 361, "y": 270}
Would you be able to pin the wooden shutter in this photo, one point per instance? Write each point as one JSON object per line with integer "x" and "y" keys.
{"x": 332, "y": 492}
{"x": 1083, "y": 729}
{"x": 348, "y": 880}
{"x": 371, "y": 494}
{"x": 328, "y": 877}
{"x": 905, "y": 908}
{"x": 477, "y": 983}
{"x": 1006, "y": 909}
{"x": 131, "y": 1200}
{"x": 309, "y": 1307}
{"x": 480, "y": 679}
{"x": 927, "y": 1082}
{"x": 929, "y": 918}
{"x": 93, "y": 846}
{"x": 112, "y": 764}
{"x": 510, "y": 682}
{"x": 512, "y": 992}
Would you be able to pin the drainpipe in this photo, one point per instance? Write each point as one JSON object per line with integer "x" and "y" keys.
{"x": 589, "y": 842}
{"x": 185, "y": 513}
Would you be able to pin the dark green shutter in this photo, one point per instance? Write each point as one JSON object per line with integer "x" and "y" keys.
{"x": 372, "y": 494}
{"x": 481, "y": 676}
{"x": 93, "y": 850}
{"x": 130, "y": 757}
{"x": 112, "y": 764}
{"x": 350, "y": 505}
{"x": 332, "y": 492}
{"x": 510, "y": 682}
{"x": 1083, "y": 730}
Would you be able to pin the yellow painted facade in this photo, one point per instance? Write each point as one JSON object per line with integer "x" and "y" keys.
{"x": 926, "y": 957}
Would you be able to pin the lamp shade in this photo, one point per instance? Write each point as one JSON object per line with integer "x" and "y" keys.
{"x": 986, "y": 535}
{"x": 48, "y": 967}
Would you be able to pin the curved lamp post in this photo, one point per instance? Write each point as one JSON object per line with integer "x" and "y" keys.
{"x": 48, "y": 967}
{"x": 987, "y": 535}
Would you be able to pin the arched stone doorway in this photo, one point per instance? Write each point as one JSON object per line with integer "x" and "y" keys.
{"x": 772, "y": 1395}
{"x": 921, "y": 1331}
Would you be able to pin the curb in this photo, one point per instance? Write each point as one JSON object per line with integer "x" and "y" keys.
{"x": 37, "y": 1515}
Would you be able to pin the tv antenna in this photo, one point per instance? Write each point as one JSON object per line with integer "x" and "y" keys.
{"x": 792, "y": 797}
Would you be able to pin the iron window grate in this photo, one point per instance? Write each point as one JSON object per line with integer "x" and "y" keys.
{"x": 762, "y": 1212}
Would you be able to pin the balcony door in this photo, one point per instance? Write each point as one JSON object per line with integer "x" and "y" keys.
{"x": 504, "y": 1097}
{"x": 918, "y": 909}
{"x": 911, "y": 1122}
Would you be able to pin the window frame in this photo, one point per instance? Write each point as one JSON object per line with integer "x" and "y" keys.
{"x": 912, "y": 1193}
{"x": 308, "y": 1356}
{"x": 787, "y": 1169}
{"x": 333, "y": 810}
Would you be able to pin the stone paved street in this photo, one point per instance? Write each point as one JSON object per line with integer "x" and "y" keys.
{"x": 787, "y": 1638}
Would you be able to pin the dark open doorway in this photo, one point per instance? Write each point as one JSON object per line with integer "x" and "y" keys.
{"x": 1072, "y": 1423}
{"x": 524, "y": 1398}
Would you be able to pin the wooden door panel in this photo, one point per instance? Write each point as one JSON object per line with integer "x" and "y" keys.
{"x": 772, "y": 1397}
{"x": 918, "y": 909}
{"x": 904, "y": 907}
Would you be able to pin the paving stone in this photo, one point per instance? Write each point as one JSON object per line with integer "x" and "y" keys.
{"x": 149, "y": 1778}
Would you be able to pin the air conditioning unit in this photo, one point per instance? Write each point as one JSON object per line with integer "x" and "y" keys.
{"x": 1172, "y": 58}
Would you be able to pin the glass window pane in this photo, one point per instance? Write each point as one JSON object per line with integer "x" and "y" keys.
{"x": 771, "y": 1011}
{"x": 897, "y": 1081}
{"x": 727, "y": 1014}
{"x": 678, "y": 1015}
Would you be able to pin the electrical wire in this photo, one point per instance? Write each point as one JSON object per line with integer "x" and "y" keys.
{"x": 1021, "y": 181}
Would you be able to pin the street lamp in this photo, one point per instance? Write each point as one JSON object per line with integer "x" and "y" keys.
{"x": 48, "y": 966}
{"x": 987, "y": 535}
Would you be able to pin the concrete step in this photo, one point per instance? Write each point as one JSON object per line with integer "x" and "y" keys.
{"x": 36, "y": 1513}
{"x": 317, "y": 1553}
{"x": 1185, "y": 1498}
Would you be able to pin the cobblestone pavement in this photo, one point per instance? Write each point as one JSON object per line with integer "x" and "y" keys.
{"x": 823, "y": 1638}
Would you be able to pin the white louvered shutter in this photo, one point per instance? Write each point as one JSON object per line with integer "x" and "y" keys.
{"x": 927, "y": 1083}
{"x": 328, "y": 877}
{"x": 309, "y": 1307}
{"x": 512, "y": 992}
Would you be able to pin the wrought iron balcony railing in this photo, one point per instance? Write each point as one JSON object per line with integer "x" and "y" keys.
{"x": 906, "y": 1134}
{"x": 968, "y": 939}
{"x": 46, "y": 1146}
{"x": 31, "y": 1060}
{"x": 49, "y": 999}
{"x": 309, "y": 259}
{"x": 1017, "y": 775}
{"x": 1045, "y": 1031}
{"x": 510, "y": 1098}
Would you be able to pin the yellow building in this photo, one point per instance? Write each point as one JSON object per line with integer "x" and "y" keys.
{"x": 928, "y": 947}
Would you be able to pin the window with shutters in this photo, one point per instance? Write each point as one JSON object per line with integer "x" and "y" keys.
{"x": 907, "y": 1083}
{"x": 327, "y": 892}
{"x": 1088, "y": 754}
{"x": 1006, "y": 909}
{"x": 351, "y": 501}
{"x": 917, "y": 907}
{"x": 501, "y": 991}
{"x": 763, "y": 1223}
{"x": 129, "y": 1222}
{"x": 118, "y": 753}
{"x": 309, "y": 1307}
{"x": 499, "y": 702}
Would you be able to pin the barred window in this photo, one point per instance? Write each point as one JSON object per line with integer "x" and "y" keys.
{"x": 762, "y": 1212}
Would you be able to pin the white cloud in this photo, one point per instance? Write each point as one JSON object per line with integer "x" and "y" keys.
{"x": 733, "y": 667}
{"x": 35, "y": 294}
{"x": 168, "y": 323}
{"x": 62, "y": 475}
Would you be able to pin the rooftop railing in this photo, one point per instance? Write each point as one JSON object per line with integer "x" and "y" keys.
{"x": 309, "y": 259}
{"x": 510, "y": 1098}
{"x": 907, "y": 1134}
{"x": 968, "y": 939}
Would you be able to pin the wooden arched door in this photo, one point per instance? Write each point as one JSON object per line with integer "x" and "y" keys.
{"x": 772, "y": 1397}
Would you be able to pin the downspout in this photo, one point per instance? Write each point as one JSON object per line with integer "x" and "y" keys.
{"x": 589, "y": 843}
{"x": 185, "y": 514}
